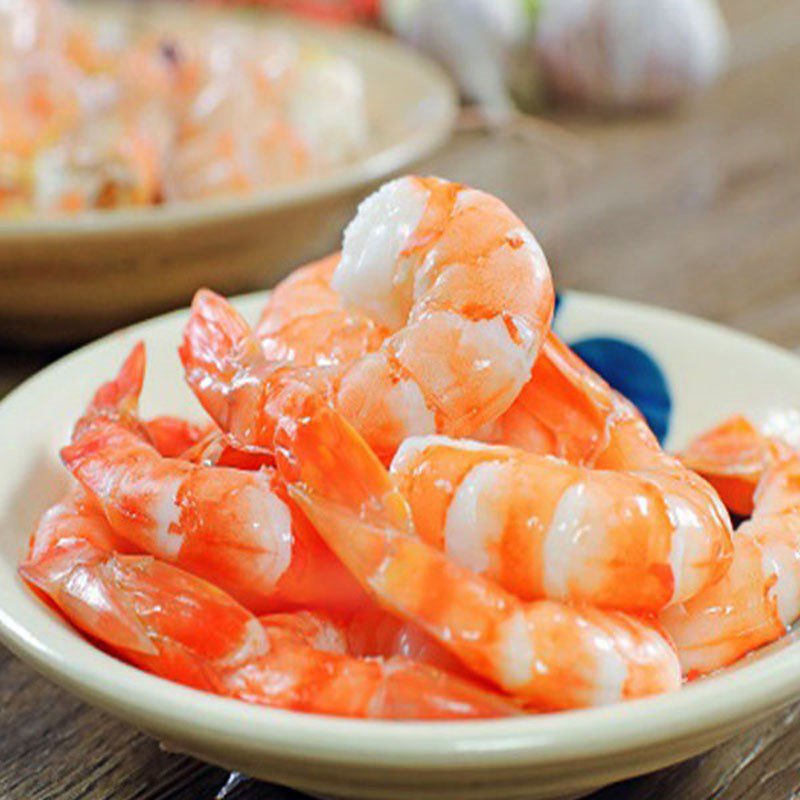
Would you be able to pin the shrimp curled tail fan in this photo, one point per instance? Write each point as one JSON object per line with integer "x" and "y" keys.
{"x": 122, "y": 394}
{"x": 217, "y": 346}
{"x": 226, "y": 369}
{"x": 119, "y": 398}
{"x": 549, "y": 655}
{"x": 148, "y": 612}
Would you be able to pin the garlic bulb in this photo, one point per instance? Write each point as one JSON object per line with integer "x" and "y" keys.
{"x": 629, "y": 53}
{"x": 475, "y": 40}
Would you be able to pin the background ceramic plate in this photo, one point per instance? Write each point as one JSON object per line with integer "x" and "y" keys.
{"x": 64, "y": 279}
{"x": 691, "y": 372}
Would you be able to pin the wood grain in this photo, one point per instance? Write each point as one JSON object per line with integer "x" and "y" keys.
{"x": 696, "y": 211}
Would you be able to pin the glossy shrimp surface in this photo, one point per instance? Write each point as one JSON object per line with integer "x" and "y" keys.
{"x": 235, "y": 526}
{"x": 305, "y": 320}
{"x": 180, "y": 627}
{"x": 542, "y": 527}
{"x": 461, "y": 285}
{"x": 757, "y": 600}
{"x": 412, "y": 500}
{"x": 549, "y": 655}
{"x": 638, "y": 535}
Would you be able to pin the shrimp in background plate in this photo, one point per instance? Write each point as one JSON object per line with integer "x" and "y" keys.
{"x": 462, "y": 285}
{"x": 549, "y": 655}
{"x": 180, "y": 627}
{"x": 110, "y": 112}
{"x": 238, "y": 529}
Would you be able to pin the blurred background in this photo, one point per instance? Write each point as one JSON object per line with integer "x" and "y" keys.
{"x": 148, "y": 148}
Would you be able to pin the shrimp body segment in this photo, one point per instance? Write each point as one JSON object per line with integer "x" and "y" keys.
{"x": 463, "y": 290}
{"x": 541, "y": 527}
{"x": 306, "y": 322}
{"x": 759, "y": 596}
{"x": 76, "y": 518}
{"x": 550, "y": 655}
{"x": 238, "y": 529}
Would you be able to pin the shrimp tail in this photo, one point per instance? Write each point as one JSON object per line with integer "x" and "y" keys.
{"x": 116, "y": 399}
{"x": 156, "y": 616}
{"x": 72, "y": 575}
{"x": 122, "y": 394}
{"x": 309, "y": 447}
{"x": 218, "y": 349}
{"x": 733, "y": 457}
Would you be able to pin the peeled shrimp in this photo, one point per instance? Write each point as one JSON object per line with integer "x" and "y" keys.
{"x": 236, "y": 528}
{"x": 549, "y": 655}
{"x": 458, "y": 280}
{"x": 541, "y": 527}
{"x": 180, "y": 627}
{"x": 635, "y": 531}
{"x": 759, "y": 596}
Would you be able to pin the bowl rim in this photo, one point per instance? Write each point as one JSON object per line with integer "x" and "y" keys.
{"x": 387, "y": 159}
{"x": 719, "y": 702}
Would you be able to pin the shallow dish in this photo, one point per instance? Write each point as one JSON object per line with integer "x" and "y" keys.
{"x": 64, "y": 279}
{"x": 694, "y": 373}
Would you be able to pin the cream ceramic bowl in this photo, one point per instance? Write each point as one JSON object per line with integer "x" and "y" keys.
{"x": 65, "y": 279}
{"x": 702, "y": 372}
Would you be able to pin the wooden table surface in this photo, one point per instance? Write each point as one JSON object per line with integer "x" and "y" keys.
{"x": 698, "y": 211}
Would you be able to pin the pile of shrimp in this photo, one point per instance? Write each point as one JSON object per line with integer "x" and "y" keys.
{"x": 110, "y": 112}
{"x": 411, "y": 500}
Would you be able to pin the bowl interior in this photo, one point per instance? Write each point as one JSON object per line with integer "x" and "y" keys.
{"x": 706, "y": 373}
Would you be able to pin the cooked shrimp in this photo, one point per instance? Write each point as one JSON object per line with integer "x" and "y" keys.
{"x": 637, "y": 532}
{"x": 216, "y": 449}
{"x": 759, "y": 596}
{"x": 73, "y": 519}
{"x": 158, "y": 617}
{"x": 182, "y": 628}
{"x": 238, "y": 529}
{"x": 541, "y": 527}
{"x": 302, "y": 674}
{"x": 173, "y": 436}
{"x": 734, "y": 455}
{"x": 305, "y": 320}
{"x": 548, "y": 654}
{"x": 456, "y": 277}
